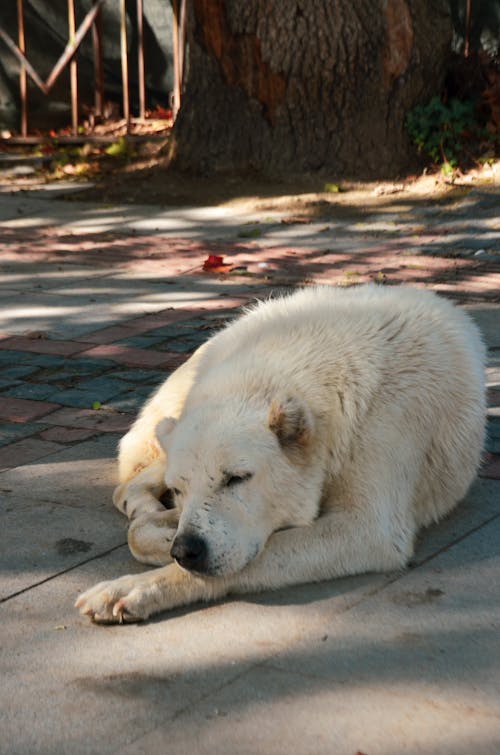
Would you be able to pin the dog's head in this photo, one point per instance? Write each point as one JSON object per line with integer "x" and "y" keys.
{"x": 238, "y": 473}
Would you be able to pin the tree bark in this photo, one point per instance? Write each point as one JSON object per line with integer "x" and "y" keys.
{"x": 293, "y": 86}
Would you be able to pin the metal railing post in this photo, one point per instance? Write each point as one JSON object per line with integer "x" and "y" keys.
{"x": 140, "y": 58}
{"x": 97, "y": 45}
{"x": 73, "y": 69}
{"x": 23, "y": 80}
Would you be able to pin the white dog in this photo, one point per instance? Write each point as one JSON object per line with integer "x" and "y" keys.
{"x": 309, "y": 439}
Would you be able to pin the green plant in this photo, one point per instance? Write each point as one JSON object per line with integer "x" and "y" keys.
{"x": 446, "y": 132}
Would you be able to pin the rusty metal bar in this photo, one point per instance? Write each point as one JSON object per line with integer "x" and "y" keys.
{"x": 182, "y": 42}
{"x": 23, "y": 82}
{"x": 468, "y": 11}
{"x": 140, "y": 58}
{"x": 22, "y": 59}
{"x": 72, "y": 46}
{"x": 124, "y": 60}
{"x": 176, "y": 98}
{"x": 73, "y": 68}
{"x": 179, "y": 34}
{"x": 98, "y": 63}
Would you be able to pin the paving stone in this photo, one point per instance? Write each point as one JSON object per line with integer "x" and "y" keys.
{"x": 23, "y": 451}
{"x": 62, "y": 377}
{"x": 84, "y": 399}
{"x": 116, "y": 333}
{"x": 127, "y": 402}
{"x": 142, "y": 342}
{"x": 486, "y": 318}
{"x": 101, "y": 388}
{"x": 52, "y": 361}
{"x": 138, "y": 376}
{"x": 66, "y": 434}
{"x": 17, "y": 371}
{"x": 8, "y": 383}
{"x": 491, "y": 466}
{"x": 71, "y": 373}
{"x": 12, "y": 432}
{"x": 24, "y": 410}
{"x": 40, "y": 539}
{"x": 135, "y": 357}
{"x": 11, "y": 357}
{"x": 400, "y": 669}
{"x": 100, "y": 420}
{"x": 34, "y": 391}
{"x": 88, "y": 366}
{"x": 184, "y": 345}
{"x": 40, "y": 346}
{"x": 82, "y": 475}
{"x": 106, "y": 687}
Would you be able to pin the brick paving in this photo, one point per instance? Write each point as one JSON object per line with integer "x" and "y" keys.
{"x": 97, "y": 392}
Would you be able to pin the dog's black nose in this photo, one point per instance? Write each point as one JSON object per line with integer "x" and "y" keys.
{"x": 190, "y": 552}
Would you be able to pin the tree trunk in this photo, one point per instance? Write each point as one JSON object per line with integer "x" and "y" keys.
{"x": 293, "y": 86}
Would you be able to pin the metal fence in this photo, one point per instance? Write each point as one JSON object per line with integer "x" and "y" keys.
{"x": 92, "y": 24}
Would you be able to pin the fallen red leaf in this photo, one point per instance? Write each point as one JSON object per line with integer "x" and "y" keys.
{"x": 214, "y": 263}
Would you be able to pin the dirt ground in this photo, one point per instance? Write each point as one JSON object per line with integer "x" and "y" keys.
{"x": 139, "y": 173}
{"x": 153, "y": 181}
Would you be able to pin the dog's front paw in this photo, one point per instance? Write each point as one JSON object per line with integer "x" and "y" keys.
{"x": 126, "y": 599}
{"x": 150, "y": 537}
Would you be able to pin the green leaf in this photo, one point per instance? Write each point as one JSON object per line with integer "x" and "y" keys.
{"x": 250, "y": 233}
{"x": 118, "y": 148}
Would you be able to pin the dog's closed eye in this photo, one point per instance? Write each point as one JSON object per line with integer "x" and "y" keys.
{"x": 230, "y": 480}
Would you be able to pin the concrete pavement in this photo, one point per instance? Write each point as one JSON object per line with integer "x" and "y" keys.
{"x": 98, "y": 305}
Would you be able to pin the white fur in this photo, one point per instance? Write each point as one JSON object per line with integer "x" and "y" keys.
{"x": 352, "y": 416}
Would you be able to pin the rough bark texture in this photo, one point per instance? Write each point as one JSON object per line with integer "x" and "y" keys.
{"x": 286, "y": 86}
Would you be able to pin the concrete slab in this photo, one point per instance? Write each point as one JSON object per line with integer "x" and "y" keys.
{"x": 77, "y": 687}
{"x": 41, "y": 539}
{"x": 277, "y": 664}
{"x": 53, "y": 517}
{"x": 80, "y": 476}
{"x": 488, "y": 320}
{"x": 481, "y": 505}
{"x": 413, "y": 669}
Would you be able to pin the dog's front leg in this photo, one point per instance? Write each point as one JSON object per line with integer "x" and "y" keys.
{"x": 342, "y": 542}
{"x": 138, "y": 596}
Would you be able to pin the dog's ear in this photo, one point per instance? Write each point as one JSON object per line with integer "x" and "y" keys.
{"x": 292, "y": 423}
{"x": 164, "y": 428}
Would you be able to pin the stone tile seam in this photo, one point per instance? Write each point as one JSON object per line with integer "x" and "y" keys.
{"x": 36, "y": 436}
{"x": 60, "y": 573}
{"x": 184, "y": 708}
{"x": 268, "y": 662}
{"x": 81, "y": 339}
{"x": 413, "y": 566}
{"x": 452, "y": 543}
{"x": 387, "y": 582}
